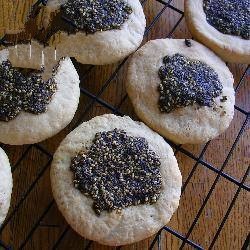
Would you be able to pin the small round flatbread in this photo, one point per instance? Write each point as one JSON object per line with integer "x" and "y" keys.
{"x": 5, "y": 185}
{"x": 135, "y": 222}
{"x": 28, "y": 128}
{"x": 190, "y": 124}
{"x": 104, "y": 47}
{"x": 229, "y": 47}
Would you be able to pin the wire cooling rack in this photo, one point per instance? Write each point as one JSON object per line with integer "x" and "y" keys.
{"x": 95, "y": 98}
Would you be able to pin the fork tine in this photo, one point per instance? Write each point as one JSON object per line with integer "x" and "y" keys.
{"x": 43, "y": 2}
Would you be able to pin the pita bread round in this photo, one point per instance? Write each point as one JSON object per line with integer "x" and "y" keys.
{"x": 134, "y": 223}
{"x": 28, "y": 128}
{"x": 190, "y": 124}
{"x": 230, "y": 48}
{"x": 104, "y": 47}
{"x": 5, "y": 185}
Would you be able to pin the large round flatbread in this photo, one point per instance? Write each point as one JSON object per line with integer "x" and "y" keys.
{"x": 135, "y": 222}
{"x": 29, "y": 128}
{"x": 191, "y": 124}
{"x": 101, "y": 47}
{"x": 5, "y": 185}
{"x": 228, "y": 47}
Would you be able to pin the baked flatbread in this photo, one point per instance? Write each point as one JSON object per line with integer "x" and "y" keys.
{"x": 134, "y": 223}
{"x": 190, "y": 124}
{"x": 28, "y": 128}
{"x": 229, "y": 47}
{"x": 5, "y": 185}
{"x": 102, "y": 47}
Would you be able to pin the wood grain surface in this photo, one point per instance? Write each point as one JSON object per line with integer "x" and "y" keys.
{"x": 37, "y": 218}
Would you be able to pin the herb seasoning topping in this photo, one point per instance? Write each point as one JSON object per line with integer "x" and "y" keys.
{"x": 230, "y": 17}
{"x": 185, "y": 81}
{"x": 19, "y": 91}
{"x": 117, "y": 171}
{"x": 96, "y": 15}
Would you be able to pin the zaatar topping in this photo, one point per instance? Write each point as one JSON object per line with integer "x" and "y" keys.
{"x": 185, "y": 82}
{"x": 25, "y": 91}
{"x": 117, "y": 171}
{"x": 230, "y": 17}
{"x": 96, "y": 15}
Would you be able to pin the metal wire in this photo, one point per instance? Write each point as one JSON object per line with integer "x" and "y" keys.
{"x": 35, "y": 9}
{"x": 199, "y": 161}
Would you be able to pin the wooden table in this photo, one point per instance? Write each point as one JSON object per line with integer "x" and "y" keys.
{"x": 35, "y": 221}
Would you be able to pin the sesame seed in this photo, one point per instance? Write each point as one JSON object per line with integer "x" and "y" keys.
{"x": 223, "y": 99}
{"x": 188, "y": 43}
